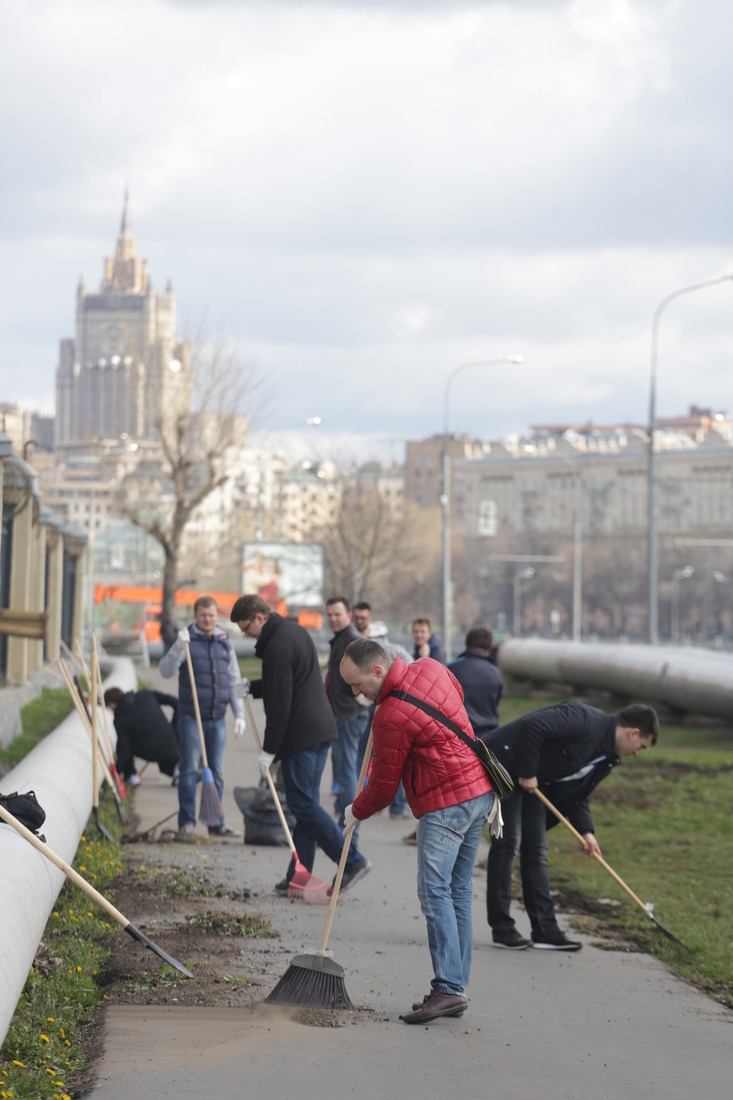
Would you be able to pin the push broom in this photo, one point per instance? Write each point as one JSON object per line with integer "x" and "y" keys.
{"x": 645, "y": 907}
{"x": 303, "y": 885}
{"x": 211, "y": 809}
{"x": 87, "y": 887}
{"x": 315, "y": 979}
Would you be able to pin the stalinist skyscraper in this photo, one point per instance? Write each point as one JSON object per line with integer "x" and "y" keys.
{"x": 126, "y": 368}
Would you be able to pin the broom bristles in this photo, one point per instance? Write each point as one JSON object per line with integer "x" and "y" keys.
{"x": 304, "y": 886}
{"x": 315, "y": 981}
{"x": 211, "y": 813}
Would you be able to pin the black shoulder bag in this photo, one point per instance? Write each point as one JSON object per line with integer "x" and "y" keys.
{"x": 26, "y": 809}
{"x": 500, "y": 778}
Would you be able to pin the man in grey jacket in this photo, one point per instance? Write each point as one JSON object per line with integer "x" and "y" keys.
{"x": 216, "y": 672}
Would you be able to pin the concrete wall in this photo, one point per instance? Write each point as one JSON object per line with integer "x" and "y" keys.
{"x": 59, "y": 770}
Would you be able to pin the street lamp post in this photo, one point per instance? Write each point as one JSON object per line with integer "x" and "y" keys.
{"x": 652, "y": 532}
{"x": 677, "y": 576}
{"x": 445, "y": 495}
{"x": 521, "y": 575}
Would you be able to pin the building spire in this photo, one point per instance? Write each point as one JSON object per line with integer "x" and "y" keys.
{"x": 125, "y": 230}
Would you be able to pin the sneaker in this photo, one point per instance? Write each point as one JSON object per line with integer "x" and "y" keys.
{"x": 555, "y": 941}
{"x": 411, "y": 839}
{"x": 133, "y": 780}
{"x": 176, "y": 773}
{"x": 282, "y": 888}
{"x": 510, "y": 941}
{"x": 352, "y": 876}
{"x": 186, "y": 834}
{"x": 223, "y": 830}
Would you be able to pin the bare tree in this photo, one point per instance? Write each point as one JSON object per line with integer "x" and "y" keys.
{"x": 375, "y": 551}
{"x": 200, "y": 419}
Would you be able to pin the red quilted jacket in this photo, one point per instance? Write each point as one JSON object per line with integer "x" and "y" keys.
{"x": 437, "y": 769}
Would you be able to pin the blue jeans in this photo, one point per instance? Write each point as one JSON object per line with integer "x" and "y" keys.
{"x": 447, "y": 843}
{"x": 301, "y": 774}
{"x": 348, "y": 761}
{"x": 215, "y": 741}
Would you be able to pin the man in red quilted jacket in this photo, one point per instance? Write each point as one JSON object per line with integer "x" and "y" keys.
{"x": 448, "y": 791}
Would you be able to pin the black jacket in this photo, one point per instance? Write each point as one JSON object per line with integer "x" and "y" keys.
{"x": 341, "y": 697}
{"x": 144, "y": 731}
{"x": 297, "y": 714}
{"x": 555, "y": 743}
{"x": 482, "y": 686}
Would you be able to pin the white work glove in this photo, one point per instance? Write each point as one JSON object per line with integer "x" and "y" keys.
{"x": 241, "y": 688}
{"x": 183, "y": 638}
{"x": 349, "y": 820}
{"x": 239, "y": 727}
{"x": 264, "y": 760}
{"x": 495, "y": 821}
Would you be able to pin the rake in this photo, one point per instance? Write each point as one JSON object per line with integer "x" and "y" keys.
{"x": 95, "y": 758}
{"x": 87, "y": 887}
{"x": 303, "y": 885}
{"x": 646, "y": 907}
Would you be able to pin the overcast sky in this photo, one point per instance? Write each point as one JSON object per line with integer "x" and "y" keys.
{"x": 366, "y": 195}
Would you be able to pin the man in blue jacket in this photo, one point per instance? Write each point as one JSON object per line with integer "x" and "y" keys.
{"x": 480, "y": 679}
{"x": 566, "y": 750}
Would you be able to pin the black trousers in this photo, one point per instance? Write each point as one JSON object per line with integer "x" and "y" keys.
{"x": 525, "y": 834}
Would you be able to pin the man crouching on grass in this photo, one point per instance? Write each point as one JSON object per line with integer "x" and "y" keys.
{"x": 447, "y": 789}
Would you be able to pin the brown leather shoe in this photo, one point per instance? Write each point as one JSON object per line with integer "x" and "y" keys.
{"x": 434, "y": 1005}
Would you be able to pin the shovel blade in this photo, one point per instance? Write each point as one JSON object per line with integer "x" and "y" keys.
{"x": 143, "y": 939}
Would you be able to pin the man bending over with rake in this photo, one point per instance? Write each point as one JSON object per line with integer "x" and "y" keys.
{"x": 448, "y": 791}
{"x": 299, "y": 727}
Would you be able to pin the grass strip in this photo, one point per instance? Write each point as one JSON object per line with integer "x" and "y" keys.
{"x": 44, "y": 1047}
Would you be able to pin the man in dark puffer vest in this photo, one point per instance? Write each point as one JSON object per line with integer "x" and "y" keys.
{"x": 216, "y": 672}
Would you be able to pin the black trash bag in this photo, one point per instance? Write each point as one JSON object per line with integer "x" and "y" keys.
{"x": 26, "y": 809}
{"x": 261, "y": 822}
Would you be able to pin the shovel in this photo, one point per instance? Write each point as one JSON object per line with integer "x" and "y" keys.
{"x": 87, "y": 887}
{"x": 645, "y": 907}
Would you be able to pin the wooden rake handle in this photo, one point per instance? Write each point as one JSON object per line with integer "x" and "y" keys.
{"x": 69, "y": 871}
{"x": 344, "y": 851}
{"x": 196, "y": 708}
{"x": 270, "y": 783}
{"x": 597, "y": 855}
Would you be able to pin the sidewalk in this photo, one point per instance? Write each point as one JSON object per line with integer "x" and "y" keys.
{"x": 540, "y": 1024}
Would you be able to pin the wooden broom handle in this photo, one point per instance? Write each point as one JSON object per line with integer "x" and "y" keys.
{"x": 68, "y": 871}
{"x": 271, "y": 784}
{"x": 105, "y": 727}
{"x": 598, "y": 855}
{"x": 195, "y": 695}
{"x": 95, "y": 737}
{"x": 345, "y": 851}
{"x": 87, "y": 726}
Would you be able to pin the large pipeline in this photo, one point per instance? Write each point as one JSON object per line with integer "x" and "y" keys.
{"x": 693, "y": 681}
{"x": 59, "y": 770}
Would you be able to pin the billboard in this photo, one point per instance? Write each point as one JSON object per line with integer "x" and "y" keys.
{"x": 289, "y": 575}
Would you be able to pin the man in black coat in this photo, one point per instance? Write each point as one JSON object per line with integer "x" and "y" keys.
{"x": 481, "y": 681}
{"x": 565, "y": 750}
{"x": 143, "y": 730}
{"x": 299, "y": 727}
